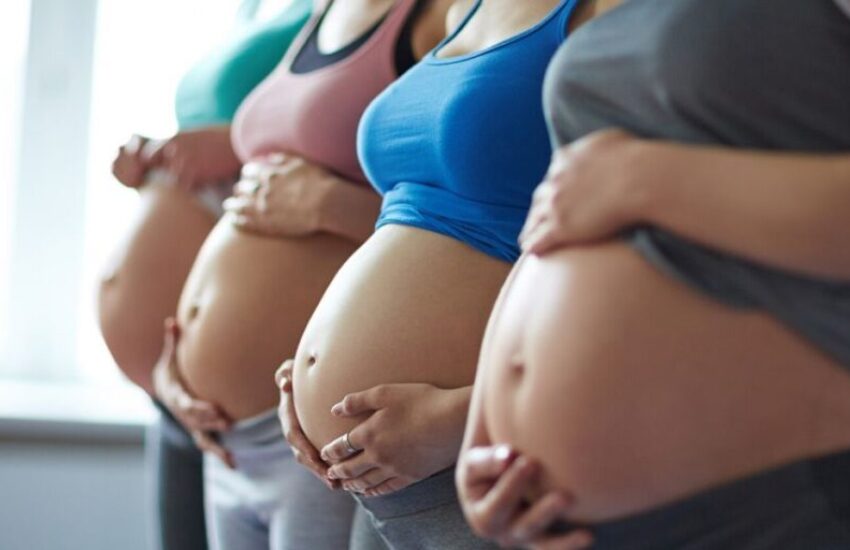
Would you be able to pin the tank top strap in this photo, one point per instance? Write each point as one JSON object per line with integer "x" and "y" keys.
{"x": 385, "y": 36}
{"x": 395, "y": 20}
{"x": 567, "y": 10}
{"x": 557, "y": 19}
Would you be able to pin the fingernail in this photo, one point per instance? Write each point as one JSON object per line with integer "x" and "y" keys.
{"x": 336, "y": 410}
{"x": 503, "y": 453}
{"x": 332, "y": 475}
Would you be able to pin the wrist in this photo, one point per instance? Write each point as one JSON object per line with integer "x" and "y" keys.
{"x": 331, "y": 202}
{"x": 652, "y": 166}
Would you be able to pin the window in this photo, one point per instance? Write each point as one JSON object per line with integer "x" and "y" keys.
{"x": 78, "y": 78}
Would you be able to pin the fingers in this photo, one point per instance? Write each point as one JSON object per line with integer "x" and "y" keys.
{"x": 201, "y": 415}
{"x": 355, "y": 404}
{"x": 241, "y": 206}
{"x": 343, "y": 447}
{"x": 577, "y": 540}
{"x": 505, "y": 499}
{"x": 352, "y": 468}
{"x": 486, "y": 464}
{"x": 534, "y": 522}
{"x": 305, "y": 453}
{"x": 390, "y": 486}
{"x": 283, "y": 376}
{"x": 544, "y": 238}
{"x": 208, "y": 444}
{"x": 539, "y": 211}
{"x": 369, "y": 480}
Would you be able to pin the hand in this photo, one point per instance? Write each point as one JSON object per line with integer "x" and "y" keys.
{"x": 412, "y": 432}
{"x": 284, "y": 196}
{"x": 494, "y": 484}
{"x": 305, "y": 453}
{"x": 130, "y": 164}
{"x": 196, "y": 157}
{"x": 592, "y": 191}
{"x": 201, "y": 418}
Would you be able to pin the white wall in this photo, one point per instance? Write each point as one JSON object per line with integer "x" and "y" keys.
{"x": 72, "y": 493}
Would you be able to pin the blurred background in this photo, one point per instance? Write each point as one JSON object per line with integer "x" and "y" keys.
{"x": 77, "y": 77}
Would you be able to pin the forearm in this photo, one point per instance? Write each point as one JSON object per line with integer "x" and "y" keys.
{"x": 790, "y": 211}
{"x": 350, "y": 211}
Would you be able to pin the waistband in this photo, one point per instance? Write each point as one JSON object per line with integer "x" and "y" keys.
{"x": 786, "y": 505}
{"x": 435, "y": 491}
{"x": 255, "y": 431}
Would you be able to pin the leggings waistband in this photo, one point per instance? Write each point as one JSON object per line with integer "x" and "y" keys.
{"x": 437, "y": 490}
{"x": 784, "y": 504}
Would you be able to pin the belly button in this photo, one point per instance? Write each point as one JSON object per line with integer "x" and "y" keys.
{"x": 194, "y": 310}
{"x": 516, "y": 366}
{"x": 312, "y": 359}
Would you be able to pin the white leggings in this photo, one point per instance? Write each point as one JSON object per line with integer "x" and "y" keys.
{"x": 270, "y": 502}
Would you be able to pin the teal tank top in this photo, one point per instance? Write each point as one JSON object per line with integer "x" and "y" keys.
{"x": 212, "y": 90}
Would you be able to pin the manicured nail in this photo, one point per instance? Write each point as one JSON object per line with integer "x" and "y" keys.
{"x": 336, "y": 410}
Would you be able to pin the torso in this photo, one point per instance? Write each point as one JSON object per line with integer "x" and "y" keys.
{"x": 409, "y": 306}
{"x": 412, "y": 303}
{"x": 632, "y": 388}
{"x": 249, "y": 297}
{"x": 634, "y": 391}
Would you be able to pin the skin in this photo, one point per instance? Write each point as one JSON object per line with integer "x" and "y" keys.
{"x": 136, "y": 295}
{"x": 693, "y": 369}
{"x": 386, "y": 293}
{"x": 290, "y": 226}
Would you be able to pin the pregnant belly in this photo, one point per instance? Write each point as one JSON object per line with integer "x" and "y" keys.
{"x": 243, "y": 310}
{"x": 634, "y": 391}
{"x": 409, "y": 306}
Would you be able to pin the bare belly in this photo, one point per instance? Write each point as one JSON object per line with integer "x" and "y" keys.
{"x": 409, "y": 306}
{"x": 634, "y": 390}
{"x": 142, "y": 283}
{"x": 243, "y": 310}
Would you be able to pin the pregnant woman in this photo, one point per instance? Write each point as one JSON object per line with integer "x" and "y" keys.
{"x": 301, "y": 209}
{"x": 679, "y": 382}
{"x": 182, "y": 181}
{"x": 456, "y": 147}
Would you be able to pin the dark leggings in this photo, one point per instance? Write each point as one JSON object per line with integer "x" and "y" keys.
{"x": 797, "y": 507}
{"x": 176, "y": 465}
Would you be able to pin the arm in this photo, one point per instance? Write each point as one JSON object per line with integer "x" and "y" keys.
{"x": 196, "y": 157}
{"x": 350, "y": 211}
{"x": 781, "y": 209}
{"x": 201, "y": 418}
{"x": 287, "y": 196}
{"x": 790, "y": 211}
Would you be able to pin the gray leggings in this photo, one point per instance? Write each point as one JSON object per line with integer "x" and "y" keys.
{"x": 424, "y": 516}
{"x": 270, "y": 501}
{"x": 784, "y": 509}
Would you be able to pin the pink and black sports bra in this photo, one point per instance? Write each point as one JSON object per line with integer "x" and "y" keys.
{"x": 315, "y": 113}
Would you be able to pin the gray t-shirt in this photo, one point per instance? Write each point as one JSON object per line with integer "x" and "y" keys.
{"x": 758, "y": 74}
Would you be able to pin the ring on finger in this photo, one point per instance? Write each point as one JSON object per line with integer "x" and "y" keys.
{"x": 348, "y": 446}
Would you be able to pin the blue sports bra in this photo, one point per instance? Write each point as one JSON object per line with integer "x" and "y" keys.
{"x": 458, "y": 145}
